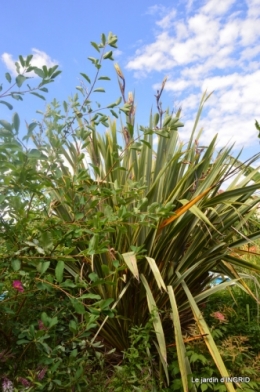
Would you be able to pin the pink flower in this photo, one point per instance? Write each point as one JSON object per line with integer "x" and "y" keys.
{"x": 41, "y": 325}
{"x": 41, "y": 373}
{"x": 7, "y": 385}
{"x": 24, "y": 382}
{"x": 219, "y": 316}
{"x": 17, "y": 284}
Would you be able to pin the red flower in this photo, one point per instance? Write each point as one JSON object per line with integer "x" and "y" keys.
{"x": 17, "y": 284}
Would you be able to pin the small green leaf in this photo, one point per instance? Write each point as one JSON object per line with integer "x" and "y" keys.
{"x": 204, "y": 387}
{"x": 73, "y": 326}
{"x": 74, "y": 353}
{"x": 93, "y": 60}
{"x": 162, "y": 133}
{"x": 95, "y": 46}
{"x": 30, "y": 69}
{"x": 44, "y": 318}
{"x": 7, "y": 104}
{"x": 112, "y": 40}
{"x": 79, "y": 88}
{"x": 39, "y": 72}
{"x": 103, "y": 304}
{"x": 156, "y": 119}
{"x": 18, "y": 96}
{"x": 146, "y": 143}
{"x": 38, "y": 95}
{"x": 16, "y": 122}
{"x": 22, "y": 341}
{"x": 5, "y": 133}
{"x": 78, "y": 306}
{"x": 16, "y": 264}
{"x": 53, "y": 321}
{"x": 90, "y": 296}
{"x": 68, "y": 283}
{"x": 177, "y": 125}
{"x": 114, "y": 113}
{"x": 58, "y": 382}
{"x": 85, "y": 77}
{"x": 99, "y": 90}
{"x": 59, "y": 271}
{"x": 44, "y": 266}
{"x": 6, "y": 125}
{"x": 113, "y": 43}
{"x": 79, "y": 372}
{"x": 65, "y": 106}
{"x": 126, "y": 108}
{"x": 45, "y": 81}
{"x": 257, "y": 125}
{"x": 108, "y": 55}
{"x": 166, "y": 121}
{"x": 22, "y": 60}
{"x": 55, "y": 74}
{"x": 28, "y": 60}
{"x": 52, "y": 70}
{"x": 118, "y": 101}
{"x": 93, "y": 276}
{"x": 20, "y": 79}
{"x": 79, "y": 216}
{"x": 104, "y": 78}
{"x": 32, "y": 126}
{"x": 8, "y": 77}
{"x": 103, "y": 38}
{"x": 17, "y": 65}
{"x": 45, "y": 71}
{"x": 112, "y": 105}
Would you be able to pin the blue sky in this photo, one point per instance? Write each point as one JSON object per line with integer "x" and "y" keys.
{"x": 199, "y": 45}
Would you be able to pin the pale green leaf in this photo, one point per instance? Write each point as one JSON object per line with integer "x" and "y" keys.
{"x": 8, "y": 77}
{"x": 131, "y": 262}
{"x": 156, "y": 319}
{"x": 156, "y": 273}
{"x": 59, "y": 271}
{"x": 7, "y": 104}
{"x": 16, "y": 122}
{"x": 204, "y": 330}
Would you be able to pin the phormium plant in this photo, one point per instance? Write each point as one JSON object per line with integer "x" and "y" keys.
{"x": 115, "y": 233}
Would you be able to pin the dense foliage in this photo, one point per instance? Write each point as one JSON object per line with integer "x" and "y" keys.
{"x": 105, "y": 245}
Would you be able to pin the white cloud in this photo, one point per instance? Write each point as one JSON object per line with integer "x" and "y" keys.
{"x": 39, "y": 59}
{"x": 253, "y": 7}
{"x": 9, "y": 62}
{"x": 117, "y": 53}
{"x": 189, "y": 5}
{"x": 167, "y": 22}
{"x": 157, "y": 9}
{"x": 229, "y": 33}
{"x": 217, "y": 7}
{"x": 213, "y": 46}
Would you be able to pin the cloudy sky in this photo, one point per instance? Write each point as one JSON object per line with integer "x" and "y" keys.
{"x": 211, "y": 45}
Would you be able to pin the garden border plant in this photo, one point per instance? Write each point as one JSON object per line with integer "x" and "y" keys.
{"x": 131, "y": 233}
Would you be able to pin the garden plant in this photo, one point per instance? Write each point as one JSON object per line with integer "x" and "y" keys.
{"x": 108, "y": 240}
